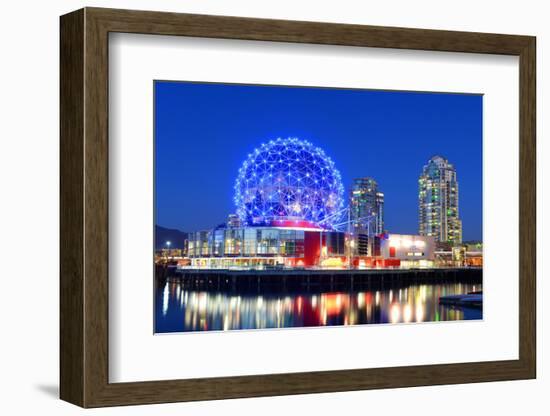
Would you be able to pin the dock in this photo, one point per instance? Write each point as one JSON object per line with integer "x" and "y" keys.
{"x": 306, "y": 280}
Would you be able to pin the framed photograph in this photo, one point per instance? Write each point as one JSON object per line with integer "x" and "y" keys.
{"x": 255, "y": 207}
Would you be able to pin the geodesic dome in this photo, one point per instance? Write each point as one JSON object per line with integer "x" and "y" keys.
{"x": 288, "y": 179}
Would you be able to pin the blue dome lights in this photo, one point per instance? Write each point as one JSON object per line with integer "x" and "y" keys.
{"x": 289, "y": 180}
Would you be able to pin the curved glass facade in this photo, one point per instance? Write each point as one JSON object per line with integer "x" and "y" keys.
{"x": 255, "y": 243}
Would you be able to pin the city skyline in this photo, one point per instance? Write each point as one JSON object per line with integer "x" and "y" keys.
{"x": 191, "y": 195}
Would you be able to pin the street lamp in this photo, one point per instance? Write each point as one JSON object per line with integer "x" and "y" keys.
{"x": 168, "y": 244}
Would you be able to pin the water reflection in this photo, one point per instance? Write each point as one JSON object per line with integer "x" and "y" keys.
{"x": 180, "y": 310}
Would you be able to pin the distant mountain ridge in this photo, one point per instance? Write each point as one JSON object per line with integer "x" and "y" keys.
{"x": 176, "y": 237}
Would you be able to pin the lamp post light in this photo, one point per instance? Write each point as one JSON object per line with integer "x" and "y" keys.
{"x": 168, "y": 244}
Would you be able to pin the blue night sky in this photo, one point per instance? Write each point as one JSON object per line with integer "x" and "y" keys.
{"x": 203, "y": 133}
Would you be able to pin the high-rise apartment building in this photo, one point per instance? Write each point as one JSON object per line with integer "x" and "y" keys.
{"x": 438, "y": 202}
{"x": 367, "y": 207}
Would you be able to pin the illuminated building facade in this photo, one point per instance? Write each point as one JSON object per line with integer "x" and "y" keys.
{"x": 233, "y": 221}
{"x": 408, "y": 250}
{"x": 285, "y": 245}
{"x": 367, "y": 207}
{"x": 366, "y": 204}
{"x": 438, "y": 202}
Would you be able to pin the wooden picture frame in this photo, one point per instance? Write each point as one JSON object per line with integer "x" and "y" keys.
{"x": 84, "y": 207}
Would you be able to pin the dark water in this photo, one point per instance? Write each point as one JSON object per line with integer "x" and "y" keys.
{"x": 179, "y": 310}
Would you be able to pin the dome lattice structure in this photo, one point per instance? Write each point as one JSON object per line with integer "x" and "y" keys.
{"x": 288, "y": 179}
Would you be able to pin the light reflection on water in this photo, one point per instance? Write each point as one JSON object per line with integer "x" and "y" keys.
{"x": 180, "y": 310}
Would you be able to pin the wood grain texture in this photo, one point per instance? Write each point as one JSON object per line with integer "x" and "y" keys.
{"x": 84, "y": 207}
{"x": 96, "y": 219}
{"x": 527, "y": 208}
{"x": 71, "y": 208}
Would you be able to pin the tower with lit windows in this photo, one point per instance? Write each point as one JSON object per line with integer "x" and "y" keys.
{"x": 438, "y": 202}
{"x": 367, "y": 207}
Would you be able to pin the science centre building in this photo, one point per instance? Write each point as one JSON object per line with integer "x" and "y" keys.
{"x": 290, "y": 213}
